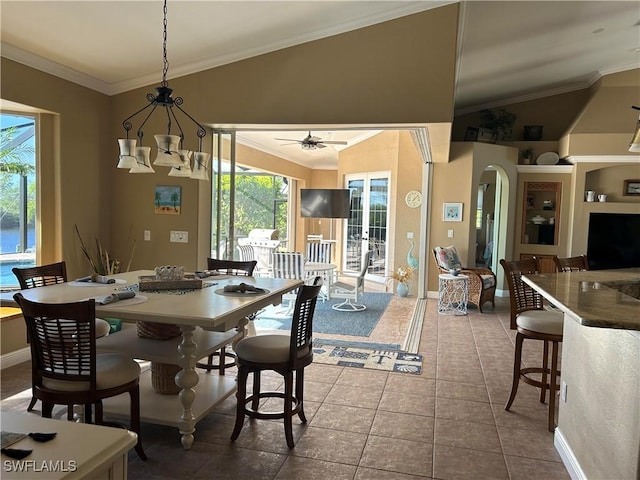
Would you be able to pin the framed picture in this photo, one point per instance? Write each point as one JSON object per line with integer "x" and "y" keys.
{"x": 631, "y": 187}
{"x": 471, "y": 135}
{"x": 452, "y": 212}
{"x": 168, "y": 200}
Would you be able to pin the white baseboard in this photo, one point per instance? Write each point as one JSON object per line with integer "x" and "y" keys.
{"x": 14, "y": 358}
{"x": 568, "y": 458}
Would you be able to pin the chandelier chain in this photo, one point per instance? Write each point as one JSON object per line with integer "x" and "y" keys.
{"x": 165, "y": 61}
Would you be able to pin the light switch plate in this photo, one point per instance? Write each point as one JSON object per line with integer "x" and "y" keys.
{"x": 409, "y": 234}
{"x": 450, "y": 233}
{"x": 179, "y": 236}
{"x": 147, "y": 235}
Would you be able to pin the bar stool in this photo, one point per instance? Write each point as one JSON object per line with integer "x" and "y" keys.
{"x": 284, "y": 354}
{"x": 533, "y": 323}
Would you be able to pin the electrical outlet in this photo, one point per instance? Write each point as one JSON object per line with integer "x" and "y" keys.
{"x": 450, "y": 233}
{"x": 563, "y": 392}
{"x": 147, "y": 235}
{"x": 178, "y": 236}
{"x": 409, "y": 234}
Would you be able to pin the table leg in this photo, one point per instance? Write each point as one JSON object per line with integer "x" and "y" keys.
{"x": 186, "y": 379}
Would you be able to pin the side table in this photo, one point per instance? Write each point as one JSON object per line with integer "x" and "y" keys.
{"x": 452, "y": 294}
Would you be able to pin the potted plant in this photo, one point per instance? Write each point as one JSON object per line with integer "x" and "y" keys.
{"x": 526, "y": 155}
{"x": 499, "y": 121}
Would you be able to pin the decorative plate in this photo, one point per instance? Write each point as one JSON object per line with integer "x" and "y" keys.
{"x": 548, "y": 158}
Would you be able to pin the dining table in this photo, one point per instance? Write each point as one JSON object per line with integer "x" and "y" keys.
{"x": 208, "y": 318}
{"x": 324, "y": 270}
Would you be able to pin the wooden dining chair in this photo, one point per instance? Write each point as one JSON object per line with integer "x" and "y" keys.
{"x": 67, "y": 369}
{"x": 45, "y": 275}
{"x": 533, "y": 322}
{"x": 226, "y": 267}
{"x": 286, "y": 355}
{"x": 571, "y": 264}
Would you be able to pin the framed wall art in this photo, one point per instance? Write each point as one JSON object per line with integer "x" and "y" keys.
{"x": 168, "y": 200}
{"x": 452, "y": 212}
{"x": 631, "y": 187}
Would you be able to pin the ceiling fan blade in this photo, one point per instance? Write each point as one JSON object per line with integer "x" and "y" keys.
{"x": 334, "y": 142}
{"x": 320, "y": 145}
{"x": 287, "y": 140}
{"x": 285, "y": 144}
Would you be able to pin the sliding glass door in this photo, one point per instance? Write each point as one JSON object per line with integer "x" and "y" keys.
{"x": 367, "y": 222}
{"x": 243, "y": 199}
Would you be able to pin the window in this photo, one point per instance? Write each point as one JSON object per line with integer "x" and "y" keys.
{"x": 17, "y": 194}
{"x": 481, "y": 188}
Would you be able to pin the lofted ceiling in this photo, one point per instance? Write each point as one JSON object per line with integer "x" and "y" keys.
{"x": 507, "y": 50}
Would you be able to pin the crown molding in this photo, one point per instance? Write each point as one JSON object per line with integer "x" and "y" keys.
{"x": 44, "y": 65}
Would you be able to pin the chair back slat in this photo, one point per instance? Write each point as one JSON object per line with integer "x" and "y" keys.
{"x": 571, "y": 264}
{"x": 288, "y": 265}
{"x": 302, "y": 322}
{"x": 232, "y": 267}
{"x": 41, "y": 276}
{"x": 62, "y": 337}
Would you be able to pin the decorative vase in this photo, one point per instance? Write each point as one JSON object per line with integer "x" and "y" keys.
{"x": 402, "y": 289}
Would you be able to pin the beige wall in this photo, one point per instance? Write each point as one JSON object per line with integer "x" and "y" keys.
{"x": 76, "y": 159}
{"x": 600, "y": 419}
{"x": 284, "y": 88}
{"x": 13, "y": 334}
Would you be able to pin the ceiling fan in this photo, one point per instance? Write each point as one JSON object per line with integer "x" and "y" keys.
{"x": 311, "y": 142}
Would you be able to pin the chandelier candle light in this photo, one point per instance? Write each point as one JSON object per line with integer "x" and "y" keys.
{"x": 170, "y": 150}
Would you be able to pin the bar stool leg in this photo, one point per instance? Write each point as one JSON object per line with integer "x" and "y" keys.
{"x": 553, "y": 387}
{"x": 545, "y": 370}
{"x": 516, "y": 370}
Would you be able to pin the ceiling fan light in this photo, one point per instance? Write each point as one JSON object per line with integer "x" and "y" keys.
{"x": 200, "y": 166}
{"x": 185, "y": 169}
{"x": 168, "y": 154}
{"x": 143, "y": 163}
{"x": 127, "y": 157}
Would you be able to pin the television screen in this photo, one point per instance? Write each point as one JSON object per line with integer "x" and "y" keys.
{"x": 613, "y": 241}
{"x": 324, "y": 203}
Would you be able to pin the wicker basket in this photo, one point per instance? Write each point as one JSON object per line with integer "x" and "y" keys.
{"x": 163, "y": 378}
{"x": 157, "y": 331}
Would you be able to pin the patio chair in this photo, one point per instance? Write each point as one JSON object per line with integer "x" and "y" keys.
{"x": 350, "y": 287}
{"x": 482, "y": 281}
{"x": 288, "y": 265}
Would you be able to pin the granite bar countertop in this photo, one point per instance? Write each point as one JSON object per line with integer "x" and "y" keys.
{"x": 595, "y": 298}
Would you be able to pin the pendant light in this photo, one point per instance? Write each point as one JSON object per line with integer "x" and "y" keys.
{"x": 170, "y": 151}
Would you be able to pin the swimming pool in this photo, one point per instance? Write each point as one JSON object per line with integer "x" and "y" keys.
{"x": 7, "y": 278}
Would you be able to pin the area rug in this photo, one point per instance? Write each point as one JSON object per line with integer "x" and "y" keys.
{"x": 329, "y": 321}
{"x": 392, "y": 360}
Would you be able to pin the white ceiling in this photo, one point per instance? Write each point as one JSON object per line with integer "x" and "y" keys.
{"x": 508, "y": 50}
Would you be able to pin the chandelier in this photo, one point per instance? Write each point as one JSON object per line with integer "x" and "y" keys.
{"x": 170, "y": 150}
{"x": 634, "y": 146}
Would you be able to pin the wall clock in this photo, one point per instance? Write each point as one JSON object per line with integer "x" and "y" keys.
{"x": 413, "y": 199}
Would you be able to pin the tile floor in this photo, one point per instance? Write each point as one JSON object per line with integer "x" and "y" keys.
{"x": 448, "y": 423}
